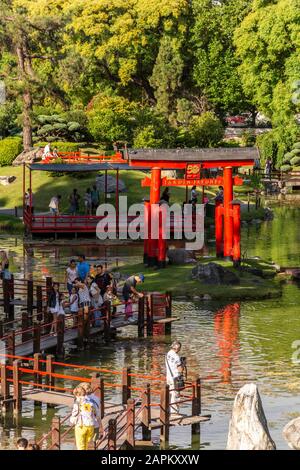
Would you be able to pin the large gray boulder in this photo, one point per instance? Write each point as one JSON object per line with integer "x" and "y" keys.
{"x": 291, "y": 433}
{"x": 30, "y": 156}
{"x": 181, "y": 256}
{"x": 213, "y": 273}
{"x": 111, "y": 184}
{"x": 248, "y": 427}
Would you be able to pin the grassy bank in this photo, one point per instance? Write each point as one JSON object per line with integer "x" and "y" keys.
{"x": 177, "y": 279}
{"x": 45, "y": 186}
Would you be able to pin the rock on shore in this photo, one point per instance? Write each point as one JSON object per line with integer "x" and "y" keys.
{"x": 248, "y": 428}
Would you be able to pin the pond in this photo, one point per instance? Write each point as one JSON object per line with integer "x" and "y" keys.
{"x": 228, "y": 345}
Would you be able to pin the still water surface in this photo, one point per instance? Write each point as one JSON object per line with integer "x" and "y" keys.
{"x": 227, "y": 344}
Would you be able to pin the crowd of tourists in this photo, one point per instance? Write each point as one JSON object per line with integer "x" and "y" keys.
{"x": 91, "y": 200}
{"x": 89, "y": 288}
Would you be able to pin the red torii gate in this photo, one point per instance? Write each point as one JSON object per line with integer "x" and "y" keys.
{"x": 227, "y": 215}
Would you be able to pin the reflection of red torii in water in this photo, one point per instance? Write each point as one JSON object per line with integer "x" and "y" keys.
{"x": 227, "y": 332}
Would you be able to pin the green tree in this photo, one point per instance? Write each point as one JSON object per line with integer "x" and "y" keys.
{"x": 111, "y": 118}
{"x": 30, "y": 38}
{"x": 166, "y": 78}
{"x": 268, "y": 46}
{"x": 120, "y": 41}
{"x": 206, "y": 130}
{"x": 216, "y": 64}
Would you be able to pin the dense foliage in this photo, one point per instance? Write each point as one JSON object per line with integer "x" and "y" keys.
{"x": 151, "y": 73}
{"x": 9, "y": 150}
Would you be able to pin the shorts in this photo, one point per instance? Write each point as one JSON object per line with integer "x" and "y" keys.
{"x": 85, "y": 304}
{"x": 70, "y": 287}
{"x": 53, "y": 211}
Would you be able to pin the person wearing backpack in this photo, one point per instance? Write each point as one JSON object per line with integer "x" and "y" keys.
{"x": 84, "y": 416}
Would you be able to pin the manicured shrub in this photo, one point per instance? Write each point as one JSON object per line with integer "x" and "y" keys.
{"x": 62, "y": 146}
{"x": 287, "y": 157}
{"x": 295, "y": 161}
{"x": 296, "y": 145}
{"x": 10, "y": 148}
{"x": 285, "y": 168}
{"x": 295, "y": 152}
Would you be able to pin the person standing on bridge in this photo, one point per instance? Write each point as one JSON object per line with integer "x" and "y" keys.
{"x": 102, "y": 278}
{"x": 98, "y": 427}
{"x": 95, "y": 199}
{"x": 54, "y": 204}
{"x": 54, "y": 306}
{"x": 174, "y": 369}
{"x": 268, "y": 168}
{"x": 84, "y": 415}
{"x": 71, "y": 275}
{"x": 83, "y": 268}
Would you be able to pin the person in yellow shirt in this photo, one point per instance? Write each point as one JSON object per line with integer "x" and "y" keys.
{"x": 84, "y": 416}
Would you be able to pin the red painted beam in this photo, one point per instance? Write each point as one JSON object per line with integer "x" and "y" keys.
{"x": 165, "y": 165}
{"x": 219, "y": 181}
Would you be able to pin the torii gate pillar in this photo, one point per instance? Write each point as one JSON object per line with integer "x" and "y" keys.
{"x": 155, "y": 249}
{"x": 228, "y": 223}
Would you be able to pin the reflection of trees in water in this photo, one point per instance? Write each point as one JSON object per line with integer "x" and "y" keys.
{"x": 277, "y": 240}
{"x": 226, "y": 323}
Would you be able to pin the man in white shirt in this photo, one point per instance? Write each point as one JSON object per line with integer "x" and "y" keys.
{"x": 54, "y": 205}
{"x": 174, "y": 368}
{"x": 46, "y": 152}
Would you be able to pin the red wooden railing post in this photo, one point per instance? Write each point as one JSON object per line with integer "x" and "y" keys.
{"x": 55, "y": 433}
{"x": 5, "y": 386}
{"x": 196, "y": 404}
{"x": 146, "y": 413}
{"x": 17, "y": 386}
{"x": 30, "y": 297}
{"x": 141, "y": 317}
{"x": 37, "y": 366}
{"x": 126, "y": 384}
{"x": 60, "y": 335}
{"x": 164, "y": 414}
{"x": 150, "y": 315}
{"x": 130, "y": 423}
{"x": 112, "y": 434}
{"x": 39, "y": 303}
{"x": 50, "y": 380}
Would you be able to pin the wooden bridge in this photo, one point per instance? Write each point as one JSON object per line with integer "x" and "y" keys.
{"x": 137, "y": 403}
{"x": 29, "y": 332}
